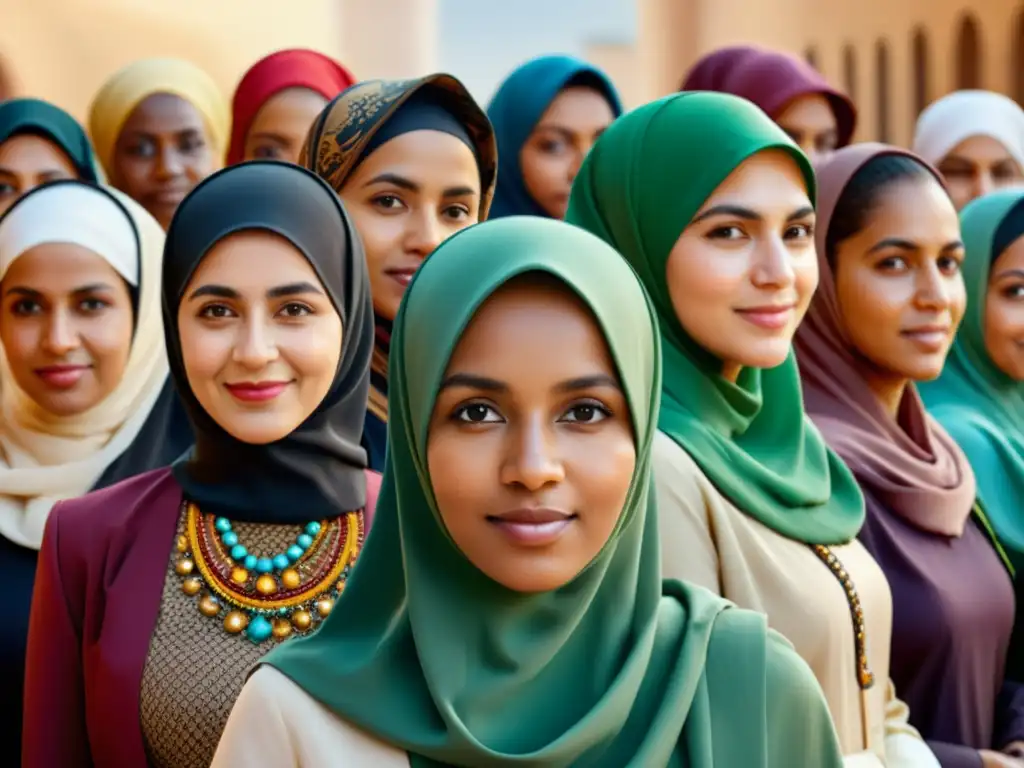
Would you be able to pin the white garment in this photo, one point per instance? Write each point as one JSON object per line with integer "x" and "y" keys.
{"x": 963, "y": 114}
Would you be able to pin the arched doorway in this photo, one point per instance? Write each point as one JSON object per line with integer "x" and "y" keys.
{"x": 850, "y": 71}
{"x": 882, "y": 129}
{"x": 919, "y": 57}
{"x": 968, "y": 53}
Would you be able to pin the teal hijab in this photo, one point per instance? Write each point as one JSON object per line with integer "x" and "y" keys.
{"x": 978, "y": 404}
{"x": 20, "y": 116}
{"x": 518, "y": 105}
{"x": 614, "y": 669}
{"x": 638, "y": 189}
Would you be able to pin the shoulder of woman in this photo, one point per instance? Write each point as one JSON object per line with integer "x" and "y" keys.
{"x": 679, "y": 479}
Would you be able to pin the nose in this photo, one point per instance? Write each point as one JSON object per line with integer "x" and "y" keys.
{"x": 532, "y": 461}
{"x": 168, "y": 163}
{"x": 933, "y": 289}
{"x": 61, "y": 336}
{"x": 255, "y": 348}
{"x": 578, "y": 156}
{"x": 424, "y": 233}
{"x": 773, "y": 265}
{"x": 983, "y": 184}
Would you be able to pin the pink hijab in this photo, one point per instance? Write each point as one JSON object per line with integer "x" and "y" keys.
{"x": 770, "y": 79}
{"x": 910, "y": 465}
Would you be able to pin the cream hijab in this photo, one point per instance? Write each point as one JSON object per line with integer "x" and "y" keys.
{"x": 45, "y": 458}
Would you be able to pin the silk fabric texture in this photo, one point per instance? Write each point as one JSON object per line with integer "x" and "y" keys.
{"x": 130, "y": 86}
{"x": 751, "y": 438}
{"x": 430, "y": 655}
{"x": 516, "y": 108}
{"x": 316, "y": 471}
{"x": 46, "y": 457}
{"x": 771, "y": 79}
{"x": 981, "y": 406}
{"x": 34, "y": 116}
{"x": 908, "y": 464}
{"x": 281, "y": 70}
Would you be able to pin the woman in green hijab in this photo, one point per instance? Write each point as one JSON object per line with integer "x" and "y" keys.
{"x": 508, "y": 609}
{"x": 712, "y": 205}
{"x": 979, "y": 398}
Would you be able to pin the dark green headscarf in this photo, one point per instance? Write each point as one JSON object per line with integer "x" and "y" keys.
{"x": 978, "y": 404}
{"x": 639, "y": 188}
{"x": 614, "y": 669}
{"x": 20, "y": 116}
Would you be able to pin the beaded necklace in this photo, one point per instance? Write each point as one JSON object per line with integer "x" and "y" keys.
{"x": 263, "y": 596}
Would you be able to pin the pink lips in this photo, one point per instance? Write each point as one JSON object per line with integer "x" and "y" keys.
{"x": 62, "y": 376}
{"x": 256, "y": 391}
{"x": 535, "y": 527}
{"x": 401, "y": 276}
{"x": 931, "y": 338}
{"x": 770, "y": 317}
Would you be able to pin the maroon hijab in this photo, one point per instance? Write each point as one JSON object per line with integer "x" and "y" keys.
{"x": 909, "y": 465}
{"x": 772, "y": 80}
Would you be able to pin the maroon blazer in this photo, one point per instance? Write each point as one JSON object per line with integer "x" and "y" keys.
{"x": 97, "y": 596}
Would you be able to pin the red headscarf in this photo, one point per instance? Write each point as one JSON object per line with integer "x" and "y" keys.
{"x": 770, "y": 79}
{"x": 292, "y": 68}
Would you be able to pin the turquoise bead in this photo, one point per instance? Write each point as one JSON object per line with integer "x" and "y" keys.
{"x": 259, "y": 629}
{"x": 230, "y": 538}
{"x": 222, "y": 524}
{"x": 313, "y": 528}
{"x": 281, "y": 562}
{"x": 238, "y": 552}
{"x": 264, "y": 565}
{"x": 250, "y": 562}
{"x": 295, "y": 552}
{"x": 305, "y": 541}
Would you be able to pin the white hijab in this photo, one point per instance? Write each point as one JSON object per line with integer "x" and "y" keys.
{"x": 43, "y": 457}
{"x": 962, "y": 114}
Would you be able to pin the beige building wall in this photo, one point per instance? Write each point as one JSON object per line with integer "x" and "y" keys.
{"x": 619, "y": 62}
{"x": 893, "y": 56}
{"x": 63, "y": 50}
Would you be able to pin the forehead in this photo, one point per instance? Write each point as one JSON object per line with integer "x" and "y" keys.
{"x": 916, "y": 209}
{"x": 808, "y": 112}
{"x": 980, "y": 149}
{"x": 56, "y": 267}
{"x": 31, "y": 150}
{"x": 254, "y": 260}
{"x": 164, "y": 113}
{"x": 431, "y": 159}
{"x": 768, "y": 181}
{"x": 578, "y": 104}
{"x": 291, "y": 105}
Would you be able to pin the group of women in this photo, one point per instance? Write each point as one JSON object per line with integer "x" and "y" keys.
{"x": 705, "y": 451}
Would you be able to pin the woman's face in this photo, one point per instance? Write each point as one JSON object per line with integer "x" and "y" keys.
{"x": 162, "y": 152}
{"x": 27, "y": 161}
{"x": 406, "y": 198}
{"x": 1004, "y": 311}
{"x": 552, "y": 155}
{"x": 280, "y": 127}
{"x": 531, "y": 448}
{"x": 260, "y": 338}
{"x": 811, "y": 123}
{"x": 742, "y": 273}
{"x": 976, "y": 166}
{"x": 898, "y": 282}
{"x": 66, "y": 326}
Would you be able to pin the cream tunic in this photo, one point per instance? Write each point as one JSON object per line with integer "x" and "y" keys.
{"x": 705, "y": 540}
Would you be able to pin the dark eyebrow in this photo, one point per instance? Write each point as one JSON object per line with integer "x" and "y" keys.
{"x": 293, "y": 289}
{"x": 560, "y": 129}
{"x": 91, "y": 288}
{"x": 20, "y": 291}
{"x": 219, "y": 291}
{"x": 472, "y": 381}
{"x": 588, "y": 382}
{"x": 276, "y": 138}
{"x": 94, "y": 288}
{"x": 747, "y": 213}
{"x": 906, "y": 245}
{"x": 394, "y": 178}
{"x": 1018, "y": 273}
{"x": 459, "y": 192}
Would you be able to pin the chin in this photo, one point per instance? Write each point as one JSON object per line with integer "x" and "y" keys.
{"x": 765, "y": 356}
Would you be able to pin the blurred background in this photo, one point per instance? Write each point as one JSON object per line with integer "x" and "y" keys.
{"x": 892, "y": 56}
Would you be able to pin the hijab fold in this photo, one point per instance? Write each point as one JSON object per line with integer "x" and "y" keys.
{"x": 45, "y": 457}
{"x": 982, "y": 407}
{"x": 958, "y": 116}
{"x": 34, "y": 116}
{"x": 518, "y": 106}
{"x": 751, "y": 438}
{"x": 909, "y": 465}
{"x": 317, "y": 471}
{"x": 130, "y": 86}
{"x": 281, "y": 70}
{"x": 428, "y": 654}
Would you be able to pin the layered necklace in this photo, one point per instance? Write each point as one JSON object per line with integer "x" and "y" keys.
{"x": 263, "y": 595}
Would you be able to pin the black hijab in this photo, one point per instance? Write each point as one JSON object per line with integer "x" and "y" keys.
{"x": 317, "y": 471}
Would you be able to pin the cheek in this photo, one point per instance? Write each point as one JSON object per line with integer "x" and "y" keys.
{"x": 109, "y": 338}
{"x": 542, "y": 171}
{"x": 198, "y": 165}
{"x": 204, "y": 352}
{"x": 700, "y": 277}
{"x": 381, "y": 235}
{"x": 463, "y": 474}
{"x": 605, "y": 470}
{"x": 21, "y": 339}
{"x": 313, "y": 350}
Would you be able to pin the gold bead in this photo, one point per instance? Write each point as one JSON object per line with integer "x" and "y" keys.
{"x": 266, "y": 584}
{"x": 340, "y": 586}
{"x": 290, "y": 578}
{"x": 192, "y": 585}
{"x": 324, "y": 606}
{"x": 182, "y": 544}
{"x": 208, "y": 605}
{"x": 302, "y": 620}
{"x": 235, "y": 622}
{"x": 282, "y": 628}
{"x": 239, "y": 575}
{"x": 184, "y": 566}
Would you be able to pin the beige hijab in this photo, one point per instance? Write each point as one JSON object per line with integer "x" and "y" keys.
{"x": 43, "y": 457}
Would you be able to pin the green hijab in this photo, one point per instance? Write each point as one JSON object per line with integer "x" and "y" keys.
{"x": 978, "y": 404}
{"x": 645, "y": 179}
{"x": 428, "y": 654}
